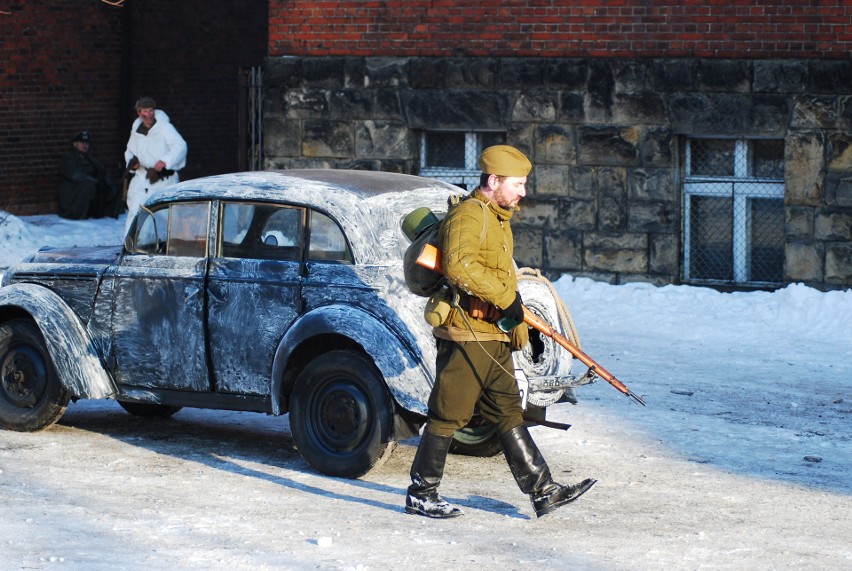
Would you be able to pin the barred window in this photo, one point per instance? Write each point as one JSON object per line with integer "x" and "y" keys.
{"x": 734, "y": 211}
{"x": 452, "y": 156}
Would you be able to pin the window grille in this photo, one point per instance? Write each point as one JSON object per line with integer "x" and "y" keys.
{"x": 734, "y": 211}
{"x": 452, "y": 156}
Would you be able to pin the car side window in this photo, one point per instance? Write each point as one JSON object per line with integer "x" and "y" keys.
{"x": 188, "y": 223}
{"x": 173, "y": 230}
{"x": 261, "y": 231}
{"x": 328, "y": 244}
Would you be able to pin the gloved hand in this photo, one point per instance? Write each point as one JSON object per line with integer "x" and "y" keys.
{"x": 515, "y": 311}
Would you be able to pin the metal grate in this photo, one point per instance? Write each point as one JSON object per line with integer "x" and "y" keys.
{"x": 452, "y": 156}
{"x": 250, "y": 136}
{"x": 734, "y": 211}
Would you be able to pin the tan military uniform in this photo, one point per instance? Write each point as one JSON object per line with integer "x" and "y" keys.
{"x": 482, "y": 269}
{"x": 474, "y": 363}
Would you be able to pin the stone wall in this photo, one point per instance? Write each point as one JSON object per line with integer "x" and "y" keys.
{"x": 604, "y": 135}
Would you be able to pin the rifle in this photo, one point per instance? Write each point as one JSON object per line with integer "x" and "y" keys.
{"x": 430, "y": 258}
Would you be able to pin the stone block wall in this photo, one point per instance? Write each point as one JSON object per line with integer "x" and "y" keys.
{"x": 605, "y": 138}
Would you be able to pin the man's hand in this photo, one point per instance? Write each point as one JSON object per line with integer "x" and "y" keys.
{"x": 515, "y": 311}
{"x": 480, "y": 309}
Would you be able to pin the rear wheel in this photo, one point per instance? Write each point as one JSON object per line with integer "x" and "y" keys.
{"x": 31, "y": 395}
{"x": 341, "y": 415}
{"x": 149, "y": 410}
{"x": 479, "y": 438}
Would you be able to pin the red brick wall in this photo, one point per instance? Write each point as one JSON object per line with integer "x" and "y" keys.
{"x": 582, "y": 28}
{"x": 60, "y": 72}
{"x": 68, "y": 65}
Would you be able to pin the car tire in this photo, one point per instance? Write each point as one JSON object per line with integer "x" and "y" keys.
{"x": 479, "y": 438}
{"x": 31, "y": 394}
{"x": 341, "y": 415}
{"x": 149, "y": 410}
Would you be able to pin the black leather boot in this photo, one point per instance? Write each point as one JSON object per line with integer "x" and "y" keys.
{"x": 533, "y": 475}
{"x": 426, "y": 472}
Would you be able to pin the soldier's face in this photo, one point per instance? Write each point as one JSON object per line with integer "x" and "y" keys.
{"x": 509, "y": 191}
{"x": 147, "y": 116}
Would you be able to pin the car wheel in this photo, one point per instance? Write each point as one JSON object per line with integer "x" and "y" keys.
{"x": 149, "y": 410}
{"x": 31, "y": 395}
{"x": 341, "y": 415}
{"x": 477, "y": 439}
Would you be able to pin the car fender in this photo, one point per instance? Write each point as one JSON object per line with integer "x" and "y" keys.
{"x": 401, "y": 364}
{"x": 69, "y": 344}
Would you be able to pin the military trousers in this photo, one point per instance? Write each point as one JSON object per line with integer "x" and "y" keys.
{"x": 474, "y": 376}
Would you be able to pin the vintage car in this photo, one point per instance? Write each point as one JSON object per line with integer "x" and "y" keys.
{"x": 274, "y": 292}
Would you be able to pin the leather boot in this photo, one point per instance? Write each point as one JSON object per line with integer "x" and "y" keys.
{"x": 533, "y": 475}
{"x": 426, "y": 472}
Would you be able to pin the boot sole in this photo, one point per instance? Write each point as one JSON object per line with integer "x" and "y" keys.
{"x": 552, "y": 507}
{"x": 415, "y": 511}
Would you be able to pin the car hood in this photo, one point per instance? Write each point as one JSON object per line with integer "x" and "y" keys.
{"x": 96, "y": 255}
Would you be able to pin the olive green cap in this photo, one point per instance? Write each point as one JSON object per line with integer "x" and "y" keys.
{"x": 416, "y": 221}
{"x": 503, "y": 160}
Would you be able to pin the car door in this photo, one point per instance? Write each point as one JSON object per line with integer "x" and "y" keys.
{"x": 254, "y": 290}
{"x": 158, "y": 328}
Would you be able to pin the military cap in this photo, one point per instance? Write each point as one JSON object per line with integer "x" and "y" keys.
{"x": 503, "y": 160}
{"x": 82, "y": 136}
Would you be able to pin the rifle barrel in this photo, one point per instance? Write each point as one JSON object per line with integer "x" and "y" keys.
{"x": 536, "y": 322}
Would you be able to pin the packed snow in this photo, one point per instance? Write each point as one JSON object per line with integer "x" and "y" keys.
{"x": 742, "y": 458}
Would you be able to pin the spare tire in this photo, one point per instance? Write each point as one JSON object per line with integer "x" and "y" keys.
{"x": 544, "y": 357}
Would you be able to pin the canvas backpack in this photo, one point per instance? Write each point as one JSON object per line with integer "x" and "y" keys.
{"x": 425, "y": 230}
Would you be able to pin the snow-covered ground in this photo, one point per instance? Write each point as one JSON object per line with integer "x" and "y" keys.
{"x": 741, "y": 460}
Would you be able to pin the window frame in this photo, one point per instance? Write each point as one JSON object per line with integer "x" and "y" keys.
{"x": 741, "y": 188}
{"x": 466, "y": 177}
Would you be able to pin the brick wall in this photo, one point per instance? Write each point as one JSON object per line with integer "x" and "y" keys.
{"x": 187, "y": 56}
{"x": 71, "y": 65}
{"x": 553, "y": 28}
{"x": 60, "y": 72}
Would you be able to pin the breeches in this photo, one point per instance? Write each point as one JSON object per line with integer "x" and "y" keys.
{"x": 471, "y": 376}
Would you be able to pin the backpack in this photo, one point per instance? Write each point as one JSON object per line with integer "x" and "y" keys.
{"x": 425, "y": 228}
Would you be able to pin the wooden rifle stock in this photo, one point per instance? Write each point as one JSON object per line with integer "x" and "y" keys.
{"x": 430, "y": 258}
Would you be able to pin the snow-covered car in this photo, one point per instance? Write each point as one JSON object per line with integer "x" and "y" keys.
{"x": 274, "y": 292}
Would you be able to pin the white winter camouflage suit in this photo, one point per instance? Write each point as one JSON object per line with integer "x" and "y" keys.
{"x": 161, "y": 143}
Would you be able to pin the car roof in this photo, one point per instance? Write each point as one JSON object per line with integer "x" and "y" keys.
{"x": 369, "y": 205}
{"x": 302, "y": 183}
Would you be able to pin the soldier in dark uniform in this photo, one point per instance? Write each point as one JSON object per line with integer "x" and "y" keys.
{"x": 474, "y": 360}
{"x": 86, "y": 189}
